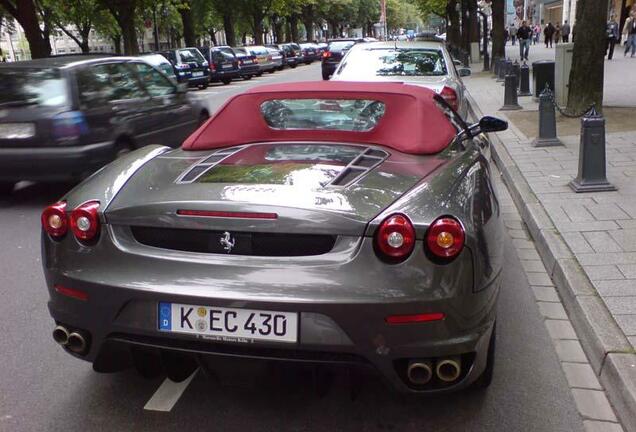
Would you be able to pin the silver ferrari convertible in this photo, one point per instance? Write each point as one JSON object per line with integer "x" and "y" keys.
{"x": 318, "y": 222}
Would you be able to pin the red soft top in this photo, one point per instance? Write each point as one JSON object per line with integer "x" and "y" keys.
{"x": 412, "y": 122}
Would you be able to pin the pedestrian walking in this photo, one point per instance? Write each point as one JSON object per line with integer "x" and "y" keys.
{"x": 612, "y": 36}
{"x": 506, "y": 36}
{"x": 513, "y": 33}
{"x": 629, "y": 30}
{"x": 565, "y": 32}
{"x": 548, "y": 33}
{"x": 537, "y": 33}
{"x": 557, "y": 33}
{"x": 524, "y": 34}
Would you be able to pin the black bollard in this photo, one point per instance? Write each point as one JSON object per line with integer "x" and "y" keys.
{"x": 524, "y": 82}
{"x": 592, "y": 171}
{"x": 503, "y": 70}
{"x": 514, "y": 70}
{"x": 496, "y": 62}
{"x": 547, "y": 121}
{"x": 510, "y": 95}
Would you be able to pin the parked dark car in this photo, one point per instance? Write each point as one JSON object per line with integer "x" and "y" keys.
{"x": 310, "y": 52}
{"x": 248, "y": 66}
{"x": 189, "y": 66}
{"x": 336, "y": 49}
{"x": 223, "y": 63}
{"x": 62, "y": 118}
{"x": 297, "y": 54}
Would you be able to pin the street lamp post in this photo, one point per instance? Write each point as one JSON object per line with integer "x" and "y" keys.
{"x": 485, "y": 40}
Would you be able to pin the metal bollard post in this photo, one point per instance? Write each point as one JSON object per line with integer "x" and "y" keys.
{"x": 547, "y": 121}
{"x": 524, "y": 83}
{"x": 503, "y": 70}
{"x": 514, "y": 70}
{"x": 496, "y": 62}
{"x": 510, "y": 94}
{"x": 592, "y": 171}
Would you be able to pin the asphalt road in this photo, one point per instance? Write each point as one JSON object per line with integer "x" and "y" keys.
{"x": 44, "y": 389}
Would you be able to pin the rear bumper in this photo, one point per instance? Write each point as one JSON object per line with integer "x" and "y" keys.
{"x": 221, "y": 74}
{"x": 122, "y": 310}
{"x": 249, "y": 70}
{"x": 53, "y": 163}
{"x": 197, "y": 81}
{"x": 329, "y": 67}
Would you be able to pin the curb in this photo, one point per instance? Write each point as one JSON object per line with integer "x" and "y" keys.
{"x": 608, "y": 350}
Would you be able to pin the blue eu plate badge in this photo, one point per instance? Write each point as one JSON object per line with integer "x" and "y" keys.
{"x": 165, "y": 316}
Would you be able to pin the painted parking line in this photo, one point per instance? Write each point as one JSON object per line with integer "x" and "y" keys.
{"x": 168, "y": 394}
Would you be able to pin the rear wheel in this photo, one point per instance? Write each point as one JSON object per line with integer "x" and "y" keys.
{"x": 272, "y": 71}
{"x": 226, "y": 81}
{"x": 259, "y": 74}
{"x": 247, "y": 77}
{"x": 293, "y": 65}
{"x": 485, "y": 378}
{"x": 203, "y": 86}
{"x": 6, "y": 188}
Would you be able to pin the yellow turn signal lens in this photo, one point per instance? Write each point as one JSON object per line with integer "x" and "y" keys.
{"x": 445, "y": 239}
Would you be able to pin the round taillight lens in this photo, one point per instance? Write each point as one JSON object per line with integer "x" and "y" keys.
{"x": 395, "y": 238}
{"x": 54, "y": 220}
{"x": 445, "y": 238}
{"x": 85, "y": 221}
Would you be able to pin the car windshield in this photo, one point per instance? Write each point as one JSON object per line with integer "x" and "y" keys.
{"x": 44, "y": 87}
{"x": 323, "y": 114}
{"x": 340, "y": 46}
{"x": 367, "y": 63}
{"x": 191, "y": 55}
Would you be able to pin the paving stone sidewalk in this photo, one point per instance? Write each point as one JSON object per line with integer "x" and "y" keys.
{"x": 594, "y": 247}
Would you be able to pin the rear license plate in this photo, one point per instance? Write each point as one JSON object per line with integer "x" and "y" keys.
{"x": 247, "y": 62}
{"x": 228, "y": 324}
{"x": 16, "y": 130}
{"x": 197, "y": 74}
{"x": 227, "y": 66}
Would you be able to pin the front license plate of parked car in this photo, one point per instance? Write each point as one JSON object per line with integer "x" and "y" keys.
{"x": 228, "y": 324}
{"x": 197, "y": 74}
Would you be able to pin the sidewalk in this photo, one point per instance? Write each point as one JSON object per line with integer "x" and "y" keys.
{"x": 586, "y": 241}
{"x": 619, "y": 89}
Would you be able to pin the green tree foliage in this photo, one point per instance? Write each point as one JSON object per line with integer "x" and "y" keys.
{"x": 75, "y": 18}
{"x": 27, "y": 14}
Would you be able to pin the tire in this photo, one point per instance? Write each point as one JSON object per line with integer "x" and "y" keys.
{"x": 485, "y": 378}
{"x": 226, "y": 81}
{"x": 203, "y": 86}
{"x": 6, "y": 188}
{"x": 247, "y": 77}
{"x": 325, "y": 75}
{"x": 260, "y": 74}
{"x": 293, "y": 66}
{"x": 272, "y": 71}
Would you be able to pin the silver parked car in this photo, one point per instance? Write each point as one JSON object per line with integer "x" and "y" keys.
{"x": 316, "y": 222}
{"x": 428, "y": 64}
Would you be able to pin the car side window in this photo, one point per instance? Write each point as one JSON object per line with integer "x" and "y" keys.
{"x": 107, "y": 82}
{"x": 155, "y": 83}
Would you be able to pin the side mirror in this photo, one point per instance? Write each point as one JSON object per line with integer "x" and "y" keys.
{"x": 182, "y": 87}
{"x": 464, "y": 72}
{"x": 492, "y": 124}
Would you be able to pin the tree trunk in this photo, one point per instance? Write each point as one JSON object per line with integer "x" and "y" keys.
{"x": 498, "y": 47}
{"x": 124, "y": 13}
{"x": 257, "y": 27}
{"x": 116, "y": 43}
{"x": 212, "y": 33}
{"x": 453, "y": 36}
{"x": 586, "y": 76}
{"x": 279, "y": 29}
{"x": 474, "y": 21}
{"x": 308, "y": 20}
{"x": 228, "y": 26}
{"x": 288, "y": 37}
{"x": 293, "y": 23}
{"x": 188, "y": 26}
{"x": 465, "y": 28}
{"x": 25, "y": 13}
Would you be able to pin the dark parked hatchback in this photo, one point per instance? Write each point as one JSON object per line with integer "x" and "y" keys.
{"x": 333, "y": 54}
{"x": 223, "y": 63}
{"x": 189, "y": 66}
{"x": 62, "y": 118}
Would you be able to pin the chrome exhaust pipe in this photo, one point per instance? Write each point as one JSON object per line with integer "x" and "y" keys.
{"x": 419, "y": 371}
{"x": 60, "y": 335}
{"x": 448, "y": 369}
{"x": 77, "y": 342}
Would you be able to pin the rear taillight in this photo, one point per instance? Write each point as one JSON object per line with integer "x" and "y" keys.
{"x": 326, "y": 54}
{"x": 54, "y": 220}
{"x": 69, "y": 126}
{"x": 395, "y": 238}
{"x": 445, "y": 238}
{"x": 450, "y": 96}
{"x": 212, "y": 67}
{"x": 85, "y": 221}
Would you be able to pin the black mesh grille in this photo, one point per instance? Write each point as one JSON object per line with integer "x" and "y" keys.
{"x": 244, "y": 243}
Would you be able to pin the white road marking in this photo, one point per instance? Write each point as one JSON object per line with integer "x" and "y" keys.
{"x": 168, "y": 394}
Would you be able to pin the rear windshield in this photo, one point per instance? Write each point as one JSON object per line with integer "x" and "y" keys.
{"x": 339, "y": 46}
{"x": 393, "y": 62}
{"x": 323, "y": 114}
{"x": 190, "y": 55}
{"x": 44, "y": 87}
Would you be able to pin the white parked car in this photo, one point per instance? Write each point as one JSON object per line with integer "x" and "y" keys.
{"x": 428, "y": 64}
